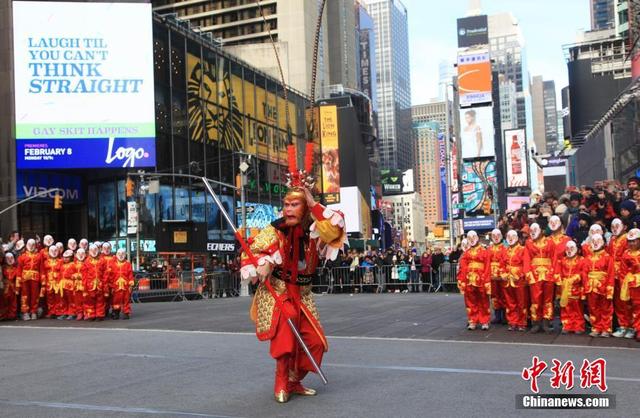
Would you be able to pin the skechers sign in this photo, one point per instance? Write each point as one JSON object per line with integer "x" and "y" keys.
{"x": 84, "y": 91}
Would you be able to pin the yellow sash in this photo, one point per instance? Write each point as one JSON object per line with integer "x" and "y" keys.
{"x": 567, "y": 284}
{"x": 628, "y": 279}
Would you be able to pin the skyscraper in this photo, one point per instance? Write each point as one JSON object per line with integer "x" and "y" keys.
{"x": 506, "y": 45}
{"x": 394, "y": 84}
{"x": 342, "y": 42}
{"x": 241, "y": 30}
{"x": 602, "y": 14}
{"x": 427, "y": 176}
{"x": 550, "y": 115}
{"x": 537, "y": 102}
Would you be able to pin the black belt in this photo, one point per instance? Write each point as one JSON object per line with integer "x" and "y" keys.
{"x": 303, "y": 279}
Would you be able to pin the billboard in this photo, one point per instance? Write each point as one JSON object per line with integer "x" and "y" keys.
{"x": 396, "y": 182}
{"x": 474, "y": 78}
{"x": 357, "y": 213}
{"x": 236, "y": 114}
{"x": 330, "y": 155}
{"x": 515, "y": 154}
{"x": 514, "y": 203}
{"x": 473, "y": 30}
{"x": 478, "y": 187}
{"x": 477, "y": 224}
{"x": 476, "y": 132}
{"x": 84, "y": 91}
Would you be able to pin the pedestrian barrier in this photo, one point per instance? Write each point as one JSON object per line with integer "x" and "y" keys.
{"x": 190, "y": 285}
{"x": 384, "y": 279}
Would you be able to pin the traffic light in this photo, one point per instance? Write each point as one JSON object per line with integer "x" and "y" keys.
{"x": 130, "y": 186}
{"x": 57, "y": 201}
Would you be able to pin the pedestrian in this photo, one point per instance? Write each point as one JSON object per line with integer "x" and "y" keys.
{"x": 29, "y": 279}
{"x": 106, "y": 257}
{"x": 474, "y": 282}
{"x": 514, "y": 284}
{"x": 94, "y": 287}
{"x": 539, "y": 272}
{"x": 66, "y": 287}
{"x": 403, "y": 274}
{"x": 78, "y": 287}
{"x": 121, "y": 281}
{"x": 9, "y": 290}
{"x": 425, "y": 270}
{"x": 616, "y": 248}
{"x": 568, "y": 270}
{"x": 598, "y": 273}
{"x": 437, "y": 260}
{"x": 51, "y": 270}
{"x": 497, "y": 253}
{"x": 630, "y": 290}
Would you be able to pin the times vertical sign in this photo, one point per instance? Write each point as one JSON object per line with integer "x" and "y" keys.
{"x": 365, "y": 62}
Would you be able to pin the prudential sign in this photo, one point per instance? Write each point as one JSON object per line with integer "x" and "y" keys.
{"x": 84, "y": 94}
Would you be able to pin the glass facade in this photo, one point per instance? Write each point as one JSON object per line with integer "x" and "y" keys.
{"x": 210, "y": 111}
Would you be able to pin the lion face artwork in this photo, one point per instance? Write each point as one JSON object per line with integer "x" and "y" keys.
{"x": 214, "y": 114}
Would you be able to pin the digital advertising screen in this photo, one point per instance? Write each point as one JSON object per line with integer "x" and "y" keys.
{"x": 84, "y": 92}
{"x": 515, "y": 154}
{"x": 477, "y": 132}
{"x": 474, "y": 78}
{"x": 479, "y": 187}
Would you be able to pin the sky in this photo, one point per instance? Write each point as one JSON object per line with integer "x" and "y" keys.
{"x": 546, "y": 26}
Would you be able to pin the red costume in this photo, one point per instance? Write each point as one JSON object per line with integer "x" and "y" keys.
{"x": 94, "y": 290}
{"x": 630, "y": 290}
{"x": 598, "y": 273}
{"x": 569, "y": 273}
{"x": 475, "y": 285}
{"x": 514, "y": 286}
{"x": 9, "y": 293}
{"x": 617, "y": 248}
{"x": 120, "y": 281}
{"x": 73, "y": 274}
{"x": 66, "y": 290}
{"x": 29, "y": 280}
{"x": 291, "y": 253}
{"x": 497, "y": 254}
{"x": 51, "y": 271}
{"x": 105, "y": 263}
{"x": 539, "y": 272}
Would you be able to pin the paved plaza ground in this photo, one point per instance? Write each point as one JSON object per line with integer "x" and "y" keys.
{"x": 391, "y": 355}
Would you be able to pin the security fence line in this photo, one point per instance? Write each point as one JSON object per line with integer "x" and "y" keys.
{"x": 344, "y": 279}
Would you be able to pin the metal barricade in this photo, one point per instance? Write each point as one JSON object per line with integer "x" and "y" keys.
{"x": 222, "y": 284}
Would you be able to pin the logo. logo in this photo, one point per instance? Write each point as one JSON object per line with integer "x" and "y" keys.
{"x": 462, "y": 32}
{"x": 128, "y": 154}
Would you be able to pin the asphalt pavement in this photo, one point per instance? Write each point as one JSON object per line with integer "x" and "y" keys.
{"x": 400, "y": 355}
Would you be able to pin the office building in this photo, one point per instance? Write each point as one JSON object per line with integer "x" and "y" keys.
{"x": 506, "y": 45}
{"x": 342, "y": 43}
{"x": 393, "y": 83}
{"x": 408, "y": 218}
{"x": 602, "y": 14}
{"x": 545, "y": 115}
{"x": 427, "y": 175}
{"x": 239, "y": 27}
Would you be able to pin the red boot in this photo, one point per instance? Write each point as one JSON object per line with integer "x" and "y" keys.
{"x": 281, "y": 391}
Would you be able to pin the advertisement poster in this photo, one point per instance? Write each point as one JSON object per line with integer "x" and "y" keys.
{"x": 236, "y": 114}
{"x": 476, "y": 132}
{"x": 84, "y": 92}
{"x": 396, "y": 182}
{"x": 515, "y": 203}
{"x": 478, "y": 187}
{"x": 515, "y": 154}
{"x": 474, "y": 78}
{"x": 330, "y": 155}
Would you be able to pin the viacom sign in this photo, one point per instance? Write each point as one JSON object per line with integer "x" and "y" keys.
{"x": 31, "y": 183}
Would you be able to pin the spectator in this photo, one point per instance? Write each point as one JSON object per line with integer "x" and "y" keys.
{"x": 425, "y": 269}
{"x": 436, "y": 263}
